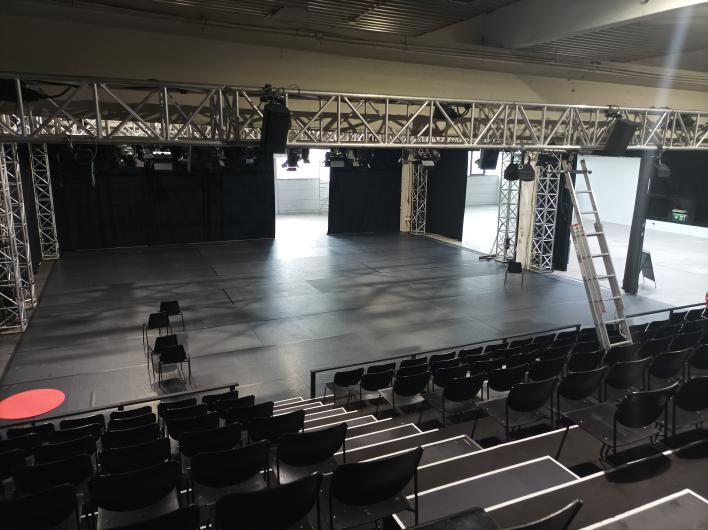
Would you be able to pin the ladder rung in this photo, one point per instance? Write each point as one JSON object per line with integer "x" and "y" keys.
{"x": 601, "y": 255}
{"x": 619, "y": 297}
{"x": 578, "y": 172}
{"x": 591, "y": 212}
{"x": 614, "y": 321}
{"x": 593, "y": 234}
{"x": 583, "y": 191}
{"x": 622, "y": 343}
{"x": 605, "y": 276}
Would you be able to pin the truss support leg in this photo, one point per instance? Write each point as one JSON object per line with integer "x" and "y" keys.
{"x": 508, "y": 214}
{"x": 13, "y": 317}
{"x": 544, "y": 227}
{"x": 419, "y": 199}
{"x": 44, "y": 201}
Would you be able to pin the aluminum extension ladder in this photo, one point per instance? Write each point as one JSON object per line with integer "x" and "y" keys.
{"x": 587, "y": 258}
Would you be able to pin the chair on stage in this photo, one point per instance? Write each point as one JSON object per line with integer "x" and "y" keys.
{"x": 172, "y": 309}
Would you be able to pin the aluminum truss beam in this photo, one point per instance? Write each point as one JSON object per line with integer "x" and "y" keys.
{"x": 44, "y": 201}
{"x": 419, "y": 199}
{"x": 504, "y": 247}
{"x": 548, "y": 185}
{"x": 54, "y": 109}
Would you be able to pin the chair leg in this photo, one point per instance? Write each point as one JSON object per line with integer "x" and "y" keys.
{"x": 522, "y": 278}
{"x": 378, "y": 402}
{"x": 182, "y": 316}
{"x": 420, "y": 416}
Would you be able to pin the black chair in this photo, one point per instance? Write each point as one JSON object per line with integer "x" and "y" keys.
{"x": 210, "y": 400}
{"x": 567, "y": 335}
{"x": 344, "y": 383}
{"x": 178, "y": 426}
{"x": 127, "y": 498}
{"x": 244, "y": 401}
{"x": 186, "y": 518}
{"x": 654, "y": 346}
{"x": 553, "y": 352}
{"x": 220, "y": 439}
{"x": 134, "y": 457}
{"x": 80, "y": 422}
{"x": 172, "y": 309}
{"x": 581, "y": 362}
{"x": 273, "y": 428}
{"x": 466, "y": 352}
{"x": 372, "y": 383}
{"x": 668, "y": 365}
{"x": 158, "y": 321}
{"x": 174, "y": 355}
{"x": 666, "y": 331}
{"x": 184, "y": 412}
{"x": 699, "y": 358}
{"x": 76, "y": 470}
{"x": 442, "y": 376}
{"x": 66, "y": 435}
{"x": 301, "y": 454}
{"x": 162, "y": 342}
{"x": 696, "y": 314}
{"x": 544, "y": 339}
{"x": 9, "y": 461}
{"x": 458, "y": 396}
{"x": 437, "y": 357}
{"x": 586, "y": 347}
{"x": 164, "y": 406}
{"x": 545, "y": 369}
{"x": 26, "y": 443}
{"x": 406, "y": 390}
{"x": 60, "y": 451}
{"x": 559, "y": 520}
{"x": 475, "y": 358}
{"x": 630, "y": 421}
{"x": 369, "y": 491}
{"x": 690, "y": 404}
{"x": 656, "y": 324}
{"x": 522, "y": 406}
{"x": 502, "y": 379}
{"x": 521, "y": 359}
{"x": 486, "y": 367}
{"x": 219, "y": 473}
{"x": 130, "y": 413}
{"x": 694, "y": 326}
{"x": 125, "y": 437}
{"x": 47, "y": 509}
{"x": 412, "y": 370}
{"x": 43, "y": 430}
{"x": 625, "y": 375}
{"x": 627, "y": 352}
{"x": 514, "y": 267}
{"x": 496, "y": 347}
{"x": 129, "y": 423}
{"x": 520, "y": 342}
{"x": 375, "y": 368}
{"x": 255, "y": 510}
{"x": 579, "y": 386}
{"x": 446, "y": 363}
{"x": 686, "y": 340}
{"x": 506, "y": 353}
{"x": 407, "y": 363}
{"x": 244, "y": 415}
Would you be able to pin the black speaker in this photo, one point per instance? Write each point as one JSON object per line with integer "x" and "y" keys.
{"x": 276, "y": 124}
{"x": 618, "y": 138}
{"x": 488, "y": 158}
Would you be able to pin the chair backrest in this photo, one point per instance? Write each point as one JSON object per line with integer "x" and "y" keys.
{"x": 80, "y": 422}
{"x": 476, "y": 357}
{"x": 548, "y": 338}
{"x": 699, "y": 359}
{"x": 693, "y": 394}
{"x": 586, "y": 347}
{"x": 180, "y": 404}
{"x": 386, "y": 367}
{"x": 43, "y": 430}
{"x": 372, "y": 382}
{"x": 184, "y": 412}
{"x": 31, "y": 479}
{"x": 465, "y": 352}
{"x": 654, "y": 346}
{"x": 486, "y": 367}
{"x": 437, "y": 357}
{"x": 255, "y": 510}
{"x": 442, "y": 376}
{"x": 185, "y": 518}
{"x": 547, "y": 368}
{"x": 627, "y": 374}
{"x": 170, "y": 307}
{"x": 59, "y": 451}
{"x": 694, "y": 326}
{"x": 43, "y": 510}
{"x": 509, "y": 352}
{"x": 220, "y": 439}
{"x": 581, "y": 362}
{"x": 244, "y": 415}
{"x": 173, "y": 354}
{"x": 579, "y": 385}
{"x": 130, "y": 413}
{"x": 656, "y": 324}
{"x": 504, "y": 379}
{"x": 134, "y": 457}
{"x": 556, "y": 351}
{"x": 526, "y": 397}
{"x": 210, "y": 400}
{"x": 348, "y": 377}
{"x": 412, "y": 370}
{"x": 520, "y": 359}
{"x": 405, "y": 363}
{"x": 641, "y": 409}
{"x": 565, "y": 335}
{"x": 410, "y": 385}
{"x": 158, "y": 320}
{"x": 178, "y": 426}
{"x": 625, "y": 353}
{"x": 514, "y": 267}
{"x": 559, "y": 520}
{"x": 686, "y": 340}
{"x": 9, "y": 461}
{"x": 129, "y": 423}
{"x": 440, "y": 365}
{"x": 26, "y": 443}
{"x": 66, "y": 435}
{"x": 134, "y": 489}
{"x": 463, "y": 388}
{"x": 310, "y": 448}
{"x": 666, "y": 331}
{"x": 496, "y": 347}
{"x": 244, "y": 401}
{"x": 365, "y": 483}
{"x": 520, "y": 342}
{"x": 165, "y": 341}
{"x": 276, "y": 426}
{"x": 124, "y": 437}
{"x": 695, "y": 314}
{"x": 220, "y": 469}
{"x": 669, "y": 363}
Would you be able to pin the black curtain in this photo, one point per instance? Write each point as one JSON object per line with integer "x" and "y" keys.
{"x": 564, "y": 218}
{"x": 447, "y": 186}
{"x": 366, "y": 199}
{"x": 108, "y": 203}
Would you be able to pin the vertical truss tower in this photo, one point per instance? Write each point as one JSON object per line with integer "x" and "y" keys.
{"x": 544, "y": 227}
{"x": 44, "y": 202}
{"x": 419, "y": 196}
{"x": 508, "y": 215}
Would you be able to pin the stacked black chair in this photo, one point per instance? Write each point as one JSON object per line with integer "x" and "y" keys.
{"x": 669, "y": 365}
{"x": 503, "y": 379}
{"x": 458, "y": 396}
{"x": 172, "y": 309}
{"x": 626, "y": 375}
{"x": 344, "y": 383}
{"x": 301, "y": 454}
{"x": 174, "y": 355}
{"x": 579, "y": 386}
{"x": 406, "y": 390}
{"x": 47, "y": 509}
{"x": 158, "y": 321}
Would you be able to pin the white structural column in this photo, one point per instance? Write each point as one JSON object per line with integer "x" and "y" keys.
{"x": 44, "y": 201}
{"x": 544, "y": 227}
{"x": 17, "y": 204}
{"x": 406, "y": 196}
{"x": 419, "y": 198}
{"x": 12, "y": 297}
{"x": 508, "y": 214}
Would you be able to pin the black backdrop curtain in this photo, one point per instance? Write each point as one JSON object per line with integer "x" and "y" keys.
{"x": 366, "y": 199}
{"x": 447, "y": 186}
{"x": 564, "y": 218}
{"x": 132, "y": 206}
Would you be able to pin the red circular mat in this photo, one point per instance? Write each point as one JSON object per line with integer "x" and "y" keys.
{"x": 30, "y": 403}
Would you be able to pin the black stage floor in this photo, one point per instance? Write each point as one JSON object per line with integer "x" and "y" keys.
{"x": 265, "y": 312}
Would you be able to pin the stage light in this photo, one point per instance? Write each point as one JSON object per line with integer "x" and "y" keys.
{"x": 428, "y": 157}
{"x": 335, "y": 158}
{"x": 661, "y": 170}
{"x": 305, "y": 155}
{"x": 292, "y": 159}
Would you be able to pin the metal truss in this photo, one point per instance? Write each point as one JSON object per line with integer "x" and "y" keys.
{"x": 52, "y": 109}
{"x": 419, "y": 198}
{"x": 11, "y": 164}
{"x": 12, "y": 295}
{"x": 44, "y": 201}
{"x": 508, "y": 214}
{"x": 544, "y": 226}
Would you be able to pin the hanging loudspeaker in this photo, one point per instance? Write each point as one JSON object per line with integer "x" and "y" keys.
{"x": 488, "y": 158}
{"x": 618, "y": 138}
{"x": 276, "y": 124}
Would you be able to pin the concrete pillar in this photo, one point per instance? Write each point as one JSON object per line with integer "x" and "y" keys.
{"x": 406, "y": 182}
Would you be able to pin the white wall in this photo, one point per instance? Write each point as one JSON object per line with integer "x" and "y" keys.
{"x": 614, "y": 181}
{"x": 298, "y": 195}
{"x": 482, "y": 189}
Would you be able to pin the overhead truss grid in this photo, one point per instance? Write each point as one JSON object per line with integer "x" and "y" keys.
{"x": 50, "y": 109}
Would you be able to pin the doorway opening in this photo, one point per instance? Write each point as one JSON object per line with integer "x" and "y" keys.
{"x": 481, "y": 203}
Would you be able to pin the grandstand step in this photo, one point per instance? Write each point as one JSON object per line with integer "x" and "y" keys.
{"x": 610, "y": 493}
{"x": 285, "y": 402}
{"x": 301, "y": 402}
{"x": 488, "y": 489}
{"x": 332, "y": 419}
{"x": 351, "y": 423}
{"x": 319, "y": 413}
{"x": 381, "y": 436}
{"x": 374, "y": 426}
{"x": 310, "y": 408}
{"x": 439, "y": 450}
